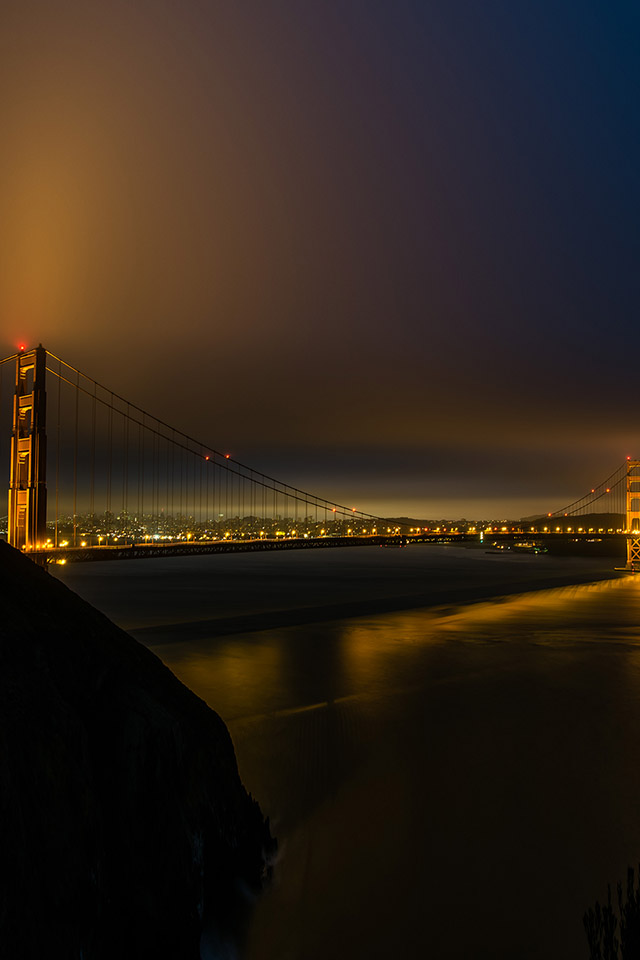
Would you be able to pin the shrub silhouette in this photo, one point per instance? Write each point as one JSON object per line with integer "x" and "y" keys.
{"x": 601, "y": 924}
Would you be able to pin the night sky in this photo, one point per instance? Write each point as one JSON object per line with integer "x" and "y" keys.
{"x": 387, "y": 252}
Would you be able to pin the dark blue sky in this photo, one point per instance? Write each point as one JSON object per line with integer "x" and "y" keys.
{"x": 384, "y": 251}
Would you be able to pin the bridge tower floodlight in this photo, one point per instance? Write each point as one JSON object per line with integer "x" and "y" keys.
{"x": 633, "y": 514}
{"x": 27, "y": 478}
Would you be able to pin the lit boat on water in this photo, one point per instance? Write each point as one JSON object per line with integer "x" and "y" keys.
{"x": 520, "y": 546}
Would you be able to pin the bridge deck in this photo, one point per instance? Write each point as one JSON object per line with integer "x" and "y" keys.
{"x": 609, "y": 544}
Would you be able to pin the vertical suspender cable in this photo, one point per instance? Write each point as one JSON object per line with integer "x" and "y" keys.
{"x": 58, "y": 454}
{"x": 155, "y": 509}
{"x": 166, "y": 488}
{"x": 109, "y": 465}
{"x": 138, "y": 474}
{"x": 216, "y": 502}
{"x": 173, "y": 454}
{"x": 156, "y": 449}
{"x": 194, "y": 487}
{"x": 142, "y": 478}
{"x": 75, "y": 465}
{"x": 187, "y": 488}
{"x": 181, "y": 469}
{"x": 206, "y": 498}
{"x": 125, "y": 471}
{"x": 92, "y": 478}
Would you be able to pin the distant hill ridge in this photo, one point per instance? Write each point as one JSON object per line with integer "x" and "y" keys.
{"x": 590, "y": 520}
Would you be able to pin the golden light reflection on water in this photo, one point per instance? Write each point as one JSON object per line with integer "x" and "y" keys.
{"x": 232, "y": 676}
{"x": 603, "y": 611}
{"x": 567, "y": 618}
{"x": 300, "y": 667}
{"x": 614, "y": 603}
{"x": 503, "y": 735}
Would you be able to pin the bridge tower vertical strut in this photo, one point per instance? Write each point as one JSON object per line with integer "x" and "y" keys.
{"x": 27, "y": 478}
{"x": 633, "y": 515}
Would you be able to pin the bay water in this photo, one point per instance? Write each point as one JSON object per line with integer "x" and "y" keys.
{"x": 446, "y": 741}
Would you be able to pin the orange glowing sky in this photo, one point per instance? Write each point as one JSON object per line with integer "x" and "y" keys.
{"x": 390, "y": 254}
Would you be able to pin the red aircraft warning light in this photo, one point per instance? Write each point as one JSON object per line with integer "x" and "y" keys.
{"x": 22, "y": 347}
{"x": 227, "y": 455}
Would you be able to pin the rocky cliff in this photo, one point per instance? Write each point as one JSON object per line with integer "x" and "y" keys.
{"x": 124, "y": 828}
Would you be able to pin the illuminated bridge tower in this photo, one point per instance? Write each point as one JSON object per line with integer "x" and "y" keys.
{"x": 27, "y": 479}
{"x": 633, "y": 515}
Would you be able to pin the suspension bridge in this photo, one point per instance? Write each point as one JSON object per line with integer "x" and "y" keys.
{"x": 92, "y": 475}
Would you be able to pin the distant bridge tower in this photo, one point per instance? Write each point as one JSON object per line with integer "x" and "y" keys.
{"x": 27, "y": 479}
{"x": 633, "y": 515}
